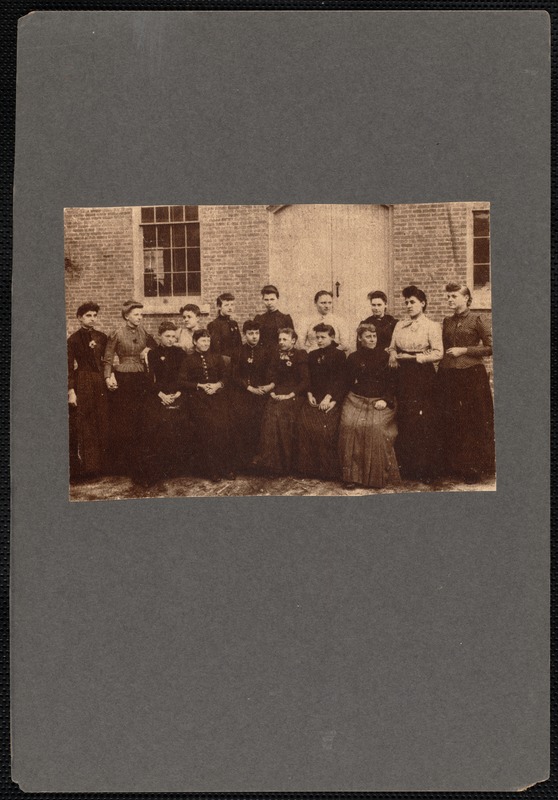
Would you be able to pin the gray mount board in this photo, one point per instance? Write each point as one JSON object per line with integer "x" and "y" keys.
{"x": 286, "y": 644}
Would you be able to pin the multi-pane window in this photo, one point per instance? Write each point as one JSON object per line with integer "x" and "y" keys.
{"x": 481, "y": 249}
{"x": 171, "y": 251}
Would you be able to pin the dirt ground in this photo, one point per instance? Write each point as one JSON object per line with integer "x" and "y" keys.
{"x": 121, "y": 488}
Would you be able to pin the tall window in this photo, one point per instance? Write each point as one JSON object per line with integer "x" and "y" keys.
{"x": 481, "y": 250}
{"x": 171, "y": 251}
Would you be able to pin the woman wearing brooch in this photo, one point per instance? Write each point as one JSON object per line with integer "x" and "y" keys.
{"x": 87, "y": 396}
{"x": 127, "y": 383}
{"x": 318, "y": 421}
{"x": 288, "y": 374}
{"x": 466, "y": 408}
{"x": 368, "y": 429}
{"x": 416, "y": 346}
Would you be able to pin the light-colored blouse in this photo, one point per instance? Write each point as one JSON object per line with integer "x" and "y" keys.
{"x": 420, "y": 336}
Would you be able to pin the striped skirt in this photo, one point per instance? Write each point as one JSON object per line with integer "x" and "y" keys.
{"x": 366, "y": 437}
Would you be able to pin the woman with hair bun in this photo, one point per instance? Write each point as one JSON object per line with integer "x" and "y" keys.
{"x": 416, "y": 346}
{"x": 466, "y": 407}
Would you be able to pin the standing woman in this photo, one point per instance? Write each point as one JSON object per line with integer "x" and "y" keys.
{"x": 288, "y": 374}
{"x": 318, "y": 421}
{"x": 87, "y": 395}
{"x": 466, "y": 408}
{"x": 202, "y": 379}
{"x": 127, "y": 383}
{"x": 416, "y": 346}
{"x": 190, "y": 314}
{"x": 368, "y": 429}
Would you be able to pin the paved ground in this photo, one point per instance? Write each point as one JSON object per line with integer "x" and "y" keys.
{"x": 118, "y": 488}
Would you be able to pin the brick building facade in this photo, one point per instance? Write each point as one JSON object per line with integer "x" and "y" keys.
{"x": 425, "y": 244}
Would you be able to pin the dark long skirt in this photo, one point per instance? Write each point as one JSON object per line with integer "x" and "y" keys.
{"x": 246, "y": 415}
{"x": 89, "y": 426}
{"x": 163, "y": 440}
{"x": 467, "y": 422}
{"x": 209, "y": 434}
{"x": 316, "y": 442}
{"x": 126, "y": 406}
{"x": 417, "y": 445}
{"x": 276, "y": 448}
{"x": 366, "y": 438}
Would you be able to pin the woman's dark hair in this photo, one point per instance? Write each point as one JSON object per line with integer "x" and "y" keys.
{"x": 250, "y": 325}
{"x": 322, "y": 327}
{"x": 366, "y": 326}
{"x": 293, "y": 334}
{"x": 166, "y": 326}
{"x": 462, "y": 288}
{"x": 270, "y": 289}
{"x": 321, "y": 293}
{"x": 377, "y": 295}
{"x": 223, "y": 297}
{"x": 414, "y": 291}
{"x": 190, "y": 307}
{"x": 199, "y": 334}
{"x": 85, "y": 307}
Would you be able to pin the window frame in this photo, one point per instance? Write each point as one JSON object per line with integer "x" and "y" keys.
{"x": 482, "y": 301}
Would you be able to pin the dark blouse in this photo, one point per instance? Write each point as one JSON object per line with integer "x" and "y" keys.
{"x": 200, "y": 368}
{"x": 271, "y": 323}
{"x": 327, "y": 368}
{"x": 468, "y": 330}
{"x": 289, "y": 372}
{"x": 250, "y": 366}
{"x": 164, "y": 365}
{"x": 225, "y": 336}
{"x": 86, "y": 347}
{"x": 384, "y": 328}
{"x": 370, "y": 376}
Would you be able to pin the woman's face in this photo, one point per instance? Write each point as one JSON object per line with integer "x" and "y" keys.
{"x": 168, "y": 338}
{"x": 189, "y": 319}
{"x": 88, "y": 319}
{"x": 324, "y": 304}
{"x": 203, "y": 344}
{"x": 414, "y": 306}
{"x": 368, "y": 339}
{"x": 134, "y": 317}
{"x": 323, "y": 339}
{"x": 285, "y": 342}
{"x": 252, "y": 337}
{"x": 457, "y": 302}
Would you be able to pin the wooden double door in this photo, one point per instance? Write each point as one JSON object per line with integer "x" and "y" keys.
{"x": 344, "y": 249}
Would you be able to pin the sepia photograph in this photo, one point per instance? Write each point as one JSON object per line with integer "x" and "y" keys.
{"x": 276, "y": 350}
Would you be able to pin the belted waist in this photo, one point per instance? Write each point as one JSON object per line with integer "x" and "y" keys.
{"x": 129, "y": 364}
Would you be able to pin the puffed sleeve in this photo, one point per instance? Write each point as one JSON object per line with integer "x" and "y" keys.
{"x": 110, "y": 350}
{"x": 302, "y": 372}
{"x": 392, "y": 345}
{"x": 435, "y": 349}
{"x": 71, "y": 363}
{"x": 484, "y": 332}
{"x": 215, "y": 332}
{"x": 185, "y": 376}
{"x": 339, "y": 377}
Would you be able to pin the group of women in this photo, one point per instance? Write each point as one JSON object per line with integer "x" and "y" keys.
{"x": 417, "y": 409}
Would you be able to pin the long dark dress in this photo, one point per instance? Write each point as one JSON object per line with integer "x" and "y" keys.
{"x": 317, "y": 430}
{"x": 367, "y": 434}
{"x": 466, "y": 407}
{"x": 208, "y": 415}
{"x": 271, "y": 323}
{"x": 249, "y": 369}
{"x": 417, "y": 446}
{"x": 89, "y": 419}
{"x": 163, "y": 427}
{"x": 126, "y": 403}
{"x": 289, "y": 373}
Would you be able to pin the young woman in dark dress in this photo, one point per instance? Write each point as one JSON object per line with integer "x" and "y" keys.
{"x": 466, "y": 407}
{"x": 87, "y": 396}
{"x": 163, "y": 424}
{"x": 368, "y": 428}
{"x": 318, "y": 421}
{"x": 202, "y": 379}
{"x": 248, "y": 394}
{"x": 127, "y": 384}
{"x": 288, "y": 372}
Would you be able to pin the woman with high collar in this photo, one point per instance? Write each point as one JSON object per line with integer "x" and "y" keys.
{"x": 190, "y": 322}
{"x": 368, "y": 427}
{"x": 87, "y": 395}
{"x": 466, "y": 407}
{"x": 318, "y": 421}
{"x": 127, "y": 384}
{"x": 288, "y": 374}
{"x": 416, "y": 346}
{"x": 202, "y": 378}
